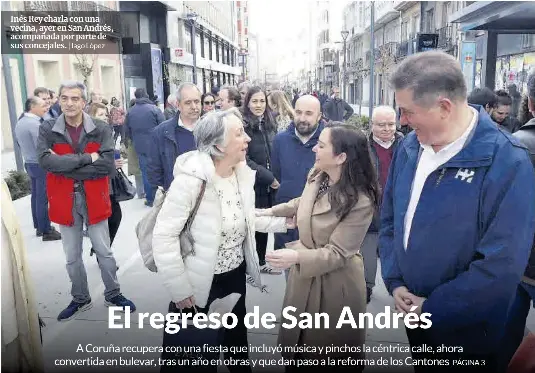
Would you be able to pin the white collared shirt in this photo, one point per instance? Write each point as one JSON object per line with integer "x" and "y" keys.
{"x": 384, "y": 144}
{"x": 32, "y": 115}
{"x": 428, "y": 163}
{"x": 181, "y": 124}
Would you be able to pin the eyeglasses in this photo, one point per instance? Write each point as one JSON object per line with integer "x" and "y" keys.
{"x": 209, "y": 102}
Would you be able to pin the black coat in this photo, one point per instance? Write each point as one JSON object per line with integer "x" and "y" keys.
{"x": 526, "y": 135}
{"x": 259, "y": 158}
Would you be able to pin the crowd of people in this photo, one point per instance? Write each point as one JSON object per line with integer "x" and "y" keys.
{"x": 449, "y": 207}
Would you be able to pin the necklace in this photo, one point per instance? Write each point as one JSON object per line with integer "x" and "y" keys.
{"x": 324, "y": 188}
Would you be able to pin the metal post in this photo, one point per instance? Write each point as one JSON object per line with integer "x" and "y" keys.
{"x": 193, "y": 51}
{"x": 372, "y": 59}
{"x": 11, "y": 105}
{"x": 344, "y": 71}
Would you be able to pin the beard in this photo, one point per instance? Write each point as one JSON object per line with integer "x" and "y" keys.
{"x": 304, "y": 129}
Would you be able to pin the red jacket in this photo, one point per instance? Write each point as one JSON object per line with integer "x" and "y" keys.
{"x": 64, "y": 171}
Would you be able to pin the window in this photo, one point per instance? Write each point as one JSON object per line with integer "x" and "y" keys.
{"x": 527, "y": 41}
{"x": 404, "y": 30}
{"x": 187, "y": 36}
{"x": 430, "y": 16}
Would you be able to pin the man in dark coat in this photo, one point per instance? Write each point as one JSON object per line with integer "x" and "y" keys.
{"x": 141, "y": 119}
{"x": 174, "y": 137}
{"x": 525, "y": 293}
{"x": 336, "y": 109}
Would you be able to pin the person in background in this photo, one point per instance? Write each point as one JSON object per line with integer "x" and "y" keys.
{"x": 171, "y": 110}
{"x": 22, "y": 349}
{"x": 98, "y": 111}
{"x": 336, "y": 109}
{"x": 221, "y": 230}
{"x": 174, "y": 136}
{"x": 524, "y": 113}
{"x": 516, "y": 98}
{"x": 133, "y": 162}
{"x": 283, "y": 112}
{"x": 215, "y": 93}
{"x": 27, "y": 133}
{"x": 261, "y": 128}
{"x": 208, "y": 103}
{"x": 383, "y": 142}
{"x": 461, "y": 265}
{"x": 44, "y": 94}
{"x": 484, "y": 97}
{"x": 501, "y": 114}
{"x": 326, "y": 270}
{"x": 525, "y": 292}
{"x": 230, "y": 97}
{"x": 54, "y": 110}
{"x": 293, "y": 157}
{"x": 141, "y": 119}
{"x": 244, "y": 87}
{"x": 96, "y": 98}
{"x": 117, "y": 115}
{"x": 78, "y": 154}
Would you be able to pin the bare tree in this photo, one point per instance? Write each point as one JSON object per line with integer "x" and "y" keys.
{"x": 85, "y": 64}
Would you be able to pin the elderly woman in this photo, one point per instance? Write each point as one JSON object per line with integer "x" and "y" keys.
{"x": 333, "y": 215}
{"x": 223, "y": 228}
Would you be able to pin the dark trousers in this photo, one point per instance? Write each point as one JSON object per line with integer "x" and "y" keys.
{"x": 261, "y": 246}
{"x": 515, "y": 326}
{"x": 222, "y": 285}
{"x": 150, "y": 190}
{"x": 420, "y": 337}
{"x": 281, "y": 239}
{"x": 41, "y": 221}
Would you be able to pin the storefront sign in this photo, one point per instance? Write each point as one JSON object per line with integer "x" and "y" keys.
{"x": 468, "y": 63}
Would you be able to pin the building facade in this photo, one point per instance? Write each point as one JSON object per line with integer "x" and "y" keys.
{"x": 29, "y": 71}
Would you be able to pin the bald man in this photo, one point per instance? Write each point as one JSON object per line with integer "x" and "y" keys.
{"x": 292, "y": 156}
{"x": 384, "y": 140}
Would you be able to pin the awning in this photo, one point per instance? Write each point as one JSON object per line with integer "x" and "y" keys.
{"x": 501, "y": 16}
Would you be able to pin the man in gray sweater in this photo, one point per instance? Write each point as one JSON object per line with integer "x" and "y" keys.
{"x": 27, "y": 132}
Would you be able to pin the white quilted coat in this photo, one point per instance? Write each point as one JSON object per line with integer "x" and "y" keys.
{"x": 194, "y": 274}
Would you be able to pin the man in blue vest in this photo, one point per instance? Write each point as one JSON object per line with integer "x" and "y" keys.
{"x": 458, "y": 216}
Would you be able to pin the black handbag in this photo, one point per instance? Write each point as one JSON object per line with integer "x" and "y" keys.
{"x": 122, "y": 187}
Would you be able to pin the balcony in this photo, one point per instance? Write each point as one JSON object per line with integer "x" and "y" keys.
{"x": 404, "y": 5}
{"x": 390, "y": 49}
{"x": 445, "y": 38}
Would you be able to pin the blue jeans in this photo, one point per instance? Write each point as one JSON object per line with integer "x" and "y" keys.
{"x": 150, "y": 191}
{"x": 41, "y": 221}
{"x": 516, "y": 322}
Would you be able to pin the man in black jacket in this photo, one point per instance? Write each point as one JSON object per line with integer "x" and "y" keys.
{"x": 525, "y": 293}
{"x": 336, "y": 109}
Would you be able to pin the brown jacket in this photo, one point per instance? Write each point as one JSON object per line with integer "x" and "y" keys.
{"x": 330, "y": 273}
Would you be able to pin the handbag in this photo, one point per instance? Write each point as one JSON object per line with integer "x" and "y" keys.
{"x": 145, "y": 228}
{"x": 122, "y": 188}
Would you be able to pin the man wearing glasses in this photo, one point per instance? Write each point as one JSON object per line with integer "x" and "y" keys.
{"x": 383, "y": 143}
{"x": 172, "y": 138}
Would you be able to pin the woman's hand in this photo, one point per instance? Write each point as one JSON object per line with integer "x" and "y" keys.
{"x": 282, "y": 258}
{"x": 186, "y": 303}
{"x": 263, "y": 212}
{"x": 119, "y": 163}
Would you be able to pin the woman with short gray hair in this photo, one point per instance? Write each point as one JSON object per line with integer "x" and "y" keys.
{"x": 222, "y": 229}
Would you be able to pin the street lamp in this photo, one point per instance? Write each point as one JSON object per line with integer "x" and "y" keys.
{"x": 192, "y": 17}
{"x": 345, "y": 34}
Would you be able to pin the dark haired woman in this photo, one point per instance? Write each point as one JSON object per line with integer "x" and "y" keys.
{"x": 261, "y": 128}
{"x": 333, "y": 215}
{"x": 208, "y": 103}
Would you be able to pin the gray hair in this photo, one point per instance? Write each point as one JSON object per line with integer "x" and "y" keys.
{"x": 245, "y": 84}
{"x": 71, "y": 84}
{"x": 171, "y": 99}
{"x": 531, "y": 84}
{"x": 383, "y": 109}
{"x": 430, "y": 75}
{"x": 181, "y": 87}
{"x": 212, "y": 131}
